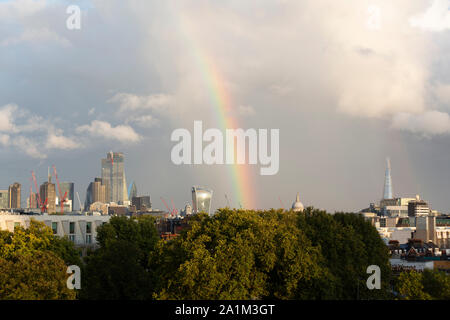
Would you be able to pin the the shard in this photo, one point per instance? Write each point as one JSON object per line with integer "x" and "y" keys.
{"x": 387, "y": 181}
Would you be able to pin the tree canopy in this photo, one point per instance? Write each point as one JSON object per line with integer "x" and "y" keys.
{"x": 119, "y": 268}
{"x": 34, "y": 263}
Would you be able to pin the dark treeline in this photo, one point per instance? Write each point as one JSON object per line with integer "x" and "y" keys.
{"x": 235, "y": 254}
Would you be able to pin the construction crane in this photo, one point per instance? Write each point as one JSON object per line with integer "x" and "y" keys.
{"x": 42, "y": 205}
{"x": 174, "y": 211}
{"x": 165, "y": 204}
{"x": 281, "y": 202}
{"x": 62, "y": 198}
{"x": 31, "y": 192}
{"x": 79, "y": 202}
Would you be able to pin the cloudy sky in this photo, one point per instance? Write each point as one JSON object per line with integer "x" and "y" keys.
{"x": 347, "y": 83}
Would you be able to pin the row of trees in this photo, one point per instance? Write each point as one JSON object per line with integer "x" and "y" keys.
{"x": 235, "y": 254}
{"x": 239, "y": 254}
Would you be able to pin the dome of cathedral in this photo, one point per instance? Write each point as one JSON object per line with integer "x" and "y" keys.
{"x": 297, "y": 206}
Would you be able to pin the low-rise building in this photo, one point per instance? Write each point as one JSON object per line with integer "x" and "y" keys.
{"x": 80, "y": 229}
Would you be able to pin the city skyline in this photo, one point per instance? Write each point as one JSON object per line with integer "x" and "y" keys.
{"x": 91, "y": 186}
{"x": 345, "y": 92}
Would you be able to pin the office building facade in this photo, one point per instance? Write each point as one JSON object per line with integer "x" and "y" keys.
{"x": 80, "y": 229}
{"x": 96, "y": 192}
{"x": 4, "y": 199}
{"x": 418, "y": 208}
{"x": 201, "y": 198}
{"x": 132, "y": 191}
{"x": 14, "y": 196}
{"x": 142, "y": 203}
{"x": 32, "y": 201}
{"x": 388, "y": 192}
{"x": 68, "y": 187}
{"x": 113, "y": 177}
{"x": 48, "y": 192}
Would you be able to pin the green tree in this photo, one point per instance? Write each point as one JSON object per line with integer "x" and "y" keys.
{"x": 119, "y": 268}
{"x": 34, "y": 263}
{"x": 410, "y": 287}
{"x": 349, "y": 245}
{"x": 437, "y": 284}
{"x": 239, "y": 254}
{"x": 40, "y": 276}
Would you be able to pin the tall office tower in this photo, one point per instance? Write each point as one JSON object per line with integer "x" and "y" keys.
{"x": 132, "y": 191}
{"x": 4, "y": 195}
{"x": 14, "y": 196}
{"x": 387, "y": 181}
{"x": 113, "y": 177}
{"x": 201, "y": 198}
{"x": 48, "y": 191}
{"x": 418, "y": 208}
{"x": 142, "y": 203}
{"x": 96, "y": 192}
{"x": 69, "y": 188}
{"x": 32, "y": 201}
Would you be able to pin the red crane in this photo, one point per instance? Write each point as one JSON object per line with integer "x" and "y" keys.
{"x": 31, "y": 192}
{"x": 174, "y": 211}
{"x": 281, "y": 202}
{"x": 41, "y": 205}
{"x": 165, "y": 204}
{"x": 62, "y": 198}
{"x": 168, "y": 210}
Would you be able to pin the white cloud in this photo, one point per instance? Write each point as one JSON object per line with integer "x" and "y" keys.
{"x": 436, "y": 18}
{"x": 7, "y": 117}
{"x": 389, "y": 75}
{"x": 144, "y": 121}
{"x": 131, "y": 102}
{"x": 4, "y": 139}
{"x": 55, "y": 141}
{"x": 30, "y": 133}
{"x": 428, "y": 123}
{"x": 122, "y": 133}
{"x": 28, "y": 146}
{"x": 20, "y": 9}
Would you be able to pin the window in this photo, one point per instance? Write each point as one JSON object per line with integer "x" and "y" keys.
{"x": 88, "y": 239}
{"x": 72, "y": 227}
{"x": 89, "y": 227}
{"x": 72, "y": 237}
{"x": 55, "y": 227}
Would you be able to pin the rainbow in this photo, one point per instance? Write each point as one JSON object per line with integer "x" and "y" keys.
{"x": 221, "y": 103}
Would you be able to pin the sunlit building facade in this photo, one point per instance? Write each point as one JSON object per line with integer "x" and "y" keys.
{"x": 201, "y": 198}
{"x": 113, "y": 177}
{"x": 4, "y": 199}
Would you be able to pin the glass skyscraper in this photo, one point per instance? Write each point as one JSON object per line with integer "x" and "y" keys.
{"x": 69, "y": 188}
{"x": 201, "y": 198}
{"x": 387, "y": 192}
{"x": 113, "y": 177}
